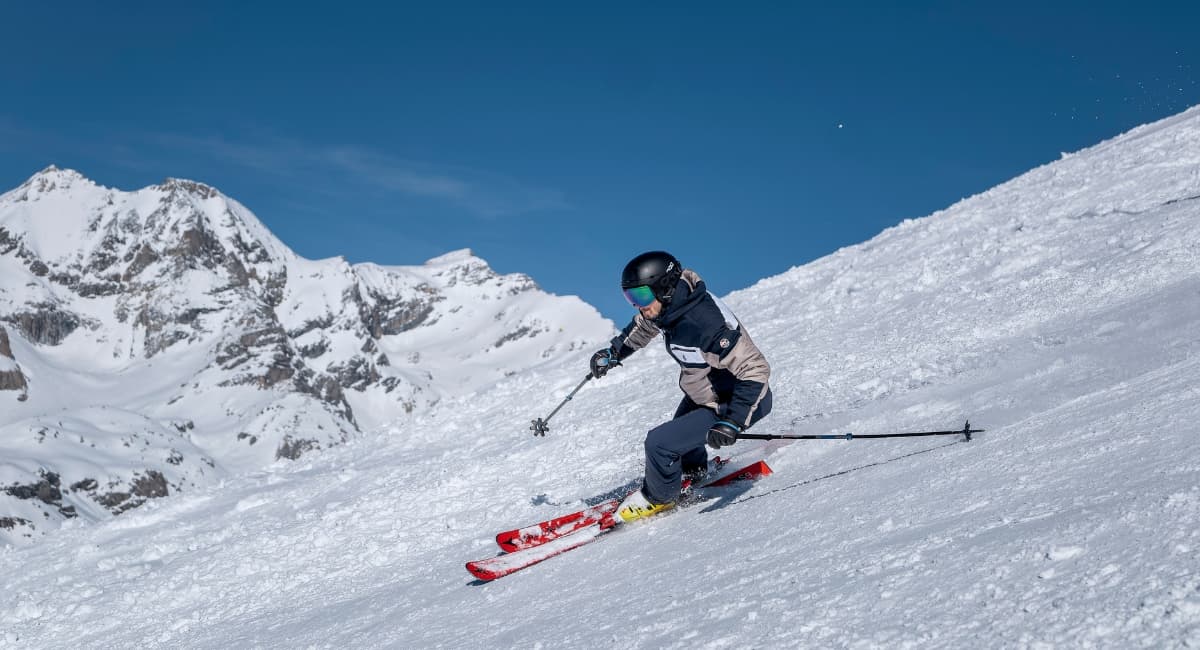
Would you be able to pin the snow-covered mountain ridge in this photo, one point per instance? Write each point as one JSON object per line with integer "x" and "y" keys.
{"x": 1059, "y": 311}
{"x": 158, "y": 340}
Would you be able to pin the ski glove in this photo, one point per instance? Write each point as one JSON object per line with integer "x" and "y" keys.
{"x": 722, "y": 434}
{"x": 603, "y": 361}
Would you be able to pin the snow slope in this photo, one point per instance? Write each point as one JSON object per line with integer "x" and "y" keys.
{"x": 1059, "y": 311}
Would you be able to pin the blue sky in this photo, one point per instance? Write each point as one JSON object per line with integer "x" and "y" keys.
{"x": 561, "y": 139}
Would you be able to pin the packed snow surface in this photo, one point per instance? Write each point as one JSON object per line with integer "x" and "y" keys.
{"x": 1059, "y": 311}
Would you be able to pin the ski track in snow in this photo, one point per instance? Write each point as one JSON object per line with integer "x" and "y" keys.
{"x": 1059, "y": 311}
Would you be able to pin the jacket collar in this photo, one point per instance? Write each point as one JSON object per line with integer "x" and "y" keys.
{"x": 689, "y": 291}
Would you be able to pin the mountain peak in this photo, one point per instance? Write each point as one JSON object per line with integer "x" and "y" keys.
{"x": 453, "y": 257}
{"x": 55, "y": 178}
{"x": 195, "y": 188}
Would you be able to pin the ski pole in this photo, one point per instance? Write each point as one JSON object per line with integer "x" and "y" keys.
{"x": 965, "y": 431}
{"x": 540, "y": 426}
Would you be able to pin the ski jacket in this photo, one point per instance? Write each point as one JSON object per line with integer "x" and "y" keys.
{"x": 721, "y": 368}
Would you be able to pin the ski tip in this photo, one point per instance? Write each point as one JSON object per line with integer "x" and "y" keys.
{"x": 482, "y": 574}
{"x": 507, "y": 541}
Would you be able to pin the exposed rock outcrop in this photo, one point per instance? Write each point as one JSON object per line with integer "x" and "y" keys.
{"x": 11, "y": 377}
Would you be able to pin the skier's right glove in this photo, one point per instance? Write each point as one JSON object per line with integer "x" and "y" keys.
{"x": 722, "y": 434}
{"x": 603, "y": 361}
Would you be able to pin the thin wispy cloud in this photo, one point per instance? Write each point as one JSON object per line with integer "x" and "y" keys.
{"x": 279, "y": 157}
{"x": 482, "y": 193}
{"x": 18, "y": 135}
{"x": 488, "y": 194}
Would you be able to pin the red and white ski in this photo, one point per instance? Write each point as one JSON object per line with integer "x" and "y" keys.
{"x": 532, "y": 544}
{"x": 507, "y": 563}
{"x": 542, "y": 532}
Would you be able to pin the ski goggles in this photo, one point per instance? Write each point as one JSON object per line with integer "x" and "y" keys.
{"x": 640, "y": 297}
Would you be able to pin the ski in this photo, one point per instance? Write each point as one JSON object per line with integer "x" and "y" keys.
{"x": 554, "y": 541}
{"x": 508, "y": 563}
{"x": 540, "y": 533}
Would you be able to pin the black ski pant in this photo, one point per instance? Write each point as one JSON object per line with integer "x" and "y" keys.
{"x": 679, "y": 443}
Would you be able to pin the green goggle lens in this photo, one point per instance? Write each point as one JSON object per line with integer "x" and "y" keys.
{"x": 639, "y": 297}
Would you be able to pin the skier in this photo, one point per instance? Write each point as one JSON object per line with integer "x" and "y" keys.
{"x": 723, "y": 374}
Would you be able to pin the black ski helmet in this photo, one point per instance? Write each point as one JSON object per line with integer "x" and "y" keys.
{"x": 658, "y": 270}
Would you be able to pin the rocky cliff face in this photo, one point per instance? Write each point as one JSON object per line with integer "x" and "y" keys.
{"x": 11, "y": 377}
{"x": 210, "y": 348}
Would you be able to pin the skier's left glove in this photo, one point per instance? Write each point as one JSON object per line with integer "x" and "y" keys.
{"x": 722, "y": 434}
{"x": 603, "y": 361}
